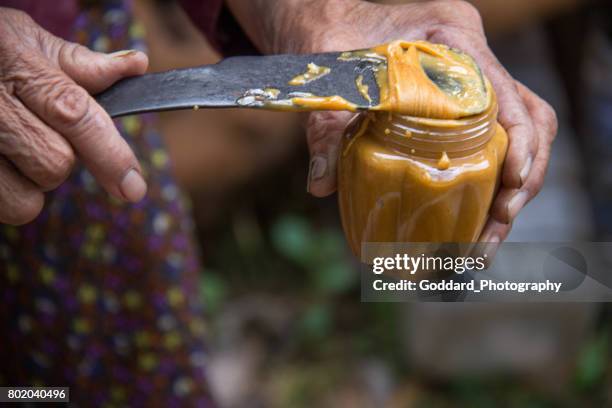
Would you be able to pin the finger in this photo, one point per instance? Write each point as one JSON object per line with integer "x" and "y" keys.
{"x": 323, "y": 133}
{"x": 38, "y": 152}
{"x": 96, "y": 71}
{"x": 493, "y": 234}
{"x": 544, "y": 116}
{"x": 515, "y": 119}
{"x": 20, "y": 199}
{"x": 68, "y": 108}
{"x": 508, "y": 203}
{"x": 511, "y": 202}
{"x": 545, "y": 124}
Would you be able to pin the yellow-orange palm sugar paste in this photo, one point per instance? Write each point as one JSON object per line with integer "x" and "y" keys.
{"x": 424, "y": 164}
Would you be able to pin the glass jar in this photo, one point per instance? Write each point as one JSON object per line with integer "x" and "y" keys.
{"x": 410, "y": 179}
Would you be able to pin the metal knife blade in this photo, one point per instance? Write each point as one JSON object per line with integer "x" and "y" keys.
{"x": 225, "y": 84}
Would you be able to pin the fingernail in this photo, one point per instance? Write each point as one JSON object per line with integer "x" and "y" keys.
{"x": 133, "y": 186}
{"x": 490, "y": 248}
{"x": 525, "y": 170}
{"x": 122, "y": 53}
{"x": 318, "y": 168}
{"x": 515, "y": 204}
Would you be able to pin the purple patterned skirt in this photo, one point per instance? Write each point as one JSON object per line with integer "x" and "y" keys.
{"x": 99, "y": 295}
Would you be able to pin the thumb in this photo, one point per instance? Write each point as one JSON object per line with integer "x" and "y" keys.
{"x": 96, "y": 71}
{"x": 324, "y": 132}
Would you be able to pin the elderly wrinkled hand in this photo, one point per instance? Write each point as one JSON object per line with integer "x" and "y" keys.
{"x": 48, "y": 118}
{"x": 530, "y": 121}
{"x": 306, "y": 26}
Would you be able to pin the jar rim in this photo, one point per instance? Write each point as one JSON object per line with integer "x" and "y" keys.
{"x": 431, "y": 137}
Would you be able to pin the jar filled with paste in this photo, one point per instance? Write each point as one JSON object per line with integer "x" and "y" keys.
{"x": 424, "y": 167}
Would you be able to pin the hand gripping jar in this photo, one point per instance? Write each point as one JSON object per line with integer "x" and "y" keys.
{"x": 414, "y": 179}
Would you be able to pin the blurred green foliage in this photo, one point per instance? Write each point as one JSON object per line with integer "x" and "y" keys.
{"x": 594, "y": 361}
{"x": 321, "y": 253}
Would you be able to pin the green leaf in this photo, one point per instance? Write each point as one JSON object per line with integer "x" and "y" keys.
{"x": 592, "y": 362}
{"x": 292, "y": 237}
{"x": 328, "y": 245}
{"x": 213, "y": 290}
{"x": 334, "y": 277}
{"x": 316, "y": 321}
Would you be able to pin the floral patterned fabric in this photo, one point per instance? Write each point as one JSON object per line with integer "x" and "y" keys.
{"x": 100, "y": 295}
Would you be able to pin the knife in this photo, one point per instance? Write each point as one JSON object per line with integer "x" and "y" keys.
{"x": 245, "y": 81}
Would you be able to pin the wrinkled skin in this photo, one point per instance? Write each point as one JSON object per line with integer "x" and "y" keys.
{"x": 48, "y": 118}
{"x": 306, "y": 26}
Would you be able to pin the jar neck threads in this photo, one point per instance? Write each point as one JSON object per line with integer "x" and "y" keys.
{"x": 431, "y": 137}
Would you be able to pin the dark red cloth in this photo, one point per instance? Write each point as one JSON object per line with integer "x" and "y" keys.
{"x": 210, "y": 16}
{"x": 205, "y": 15}
{"x": 217, "y": 23}
{"x": 56, "y": 16}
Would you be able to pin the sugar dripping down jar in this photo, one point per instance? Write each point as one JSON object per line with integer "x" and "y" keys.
{"x": 429, "y": 176}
